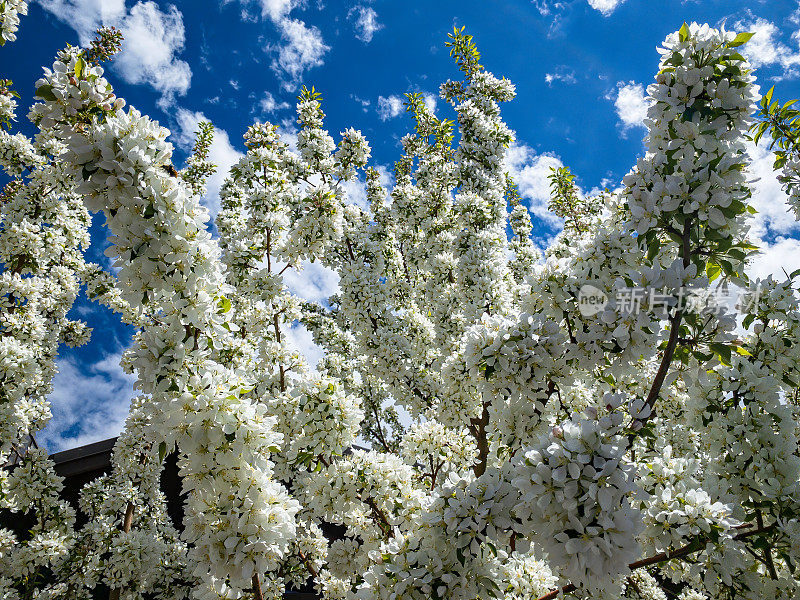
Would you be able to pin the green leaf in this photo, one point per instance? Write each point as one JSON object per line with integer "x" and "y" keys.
{"x": 80, "y": 65}
{"x": 723, "y": 351}
{"x": 724, "y": 244}
{"x": 162, "y": 451}
{"x": 727, "y": 267}
{"x": 86, "y": 173}
{"x": 712, "y": 270}
{"x": 45, "y": 92}
{"x": 683, "y": 33}
{"x": 740, "y": 39}
{"x": 768, "y": 95}
{"x": 224, "y": 304}
{"x": 675, "y": 237}
{"x": 609, "y": 379}
{"x": 653, "y": 247}
{"x": 760, "y": 130}
{"x": 702, "y": 356}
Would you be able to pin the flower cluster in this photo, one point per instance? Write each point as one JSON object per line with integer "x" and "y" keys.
{"x": 699, "y": 111}
{"x": 33, "y": 487}
{"x": 527, "y": 576}
{"x": 44, "y": 233}
{"x": 370, "y": 493}
{"x": 437, "y": 451}
{"x": 518, "y": 364}
{"x": 129, "y": 542}
{"x": 575, "y": 489}
{"x": 677, "y": 509}
{"x": 167, "y": 259}
{"x": 10, "y": 11}
{"x": 326, "y": 420}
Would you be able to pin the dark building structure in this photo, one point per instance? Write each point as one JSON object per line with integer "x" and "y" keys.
{"x": 81, "y": 465}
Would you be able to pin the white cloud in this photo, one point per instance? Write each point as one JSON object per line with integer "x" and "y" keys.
{"x": 773, "y": 225}
{"x": 430, "y": 101}
{"x": 299, "y": 338}
{"x": 153, "y": 39}
{"x": 773, "y": 217}
{"x": 222, "y": 153}
{"x": 631, "y": 104}
{"x": 529, "y": 171}
{"x": 562, "y": 74}
{"x": 268, "y": 104}
{"x": 275, "y": 10}
{"x": 390, "y": 107}
{"x": 303, "y": 48}
{"x": 313, "y": 281}
{"x": 545, "y": 7}
{"x": 776, "y": 259}
{"x": 605, "y": 6}
{"x": 364, "y": 103}
{"x": 554, "y": 9}
{"x": 365, "y": 22}
{"x": 385, "y": 176}
{"x": 85, "y": 16}
{"x": 287, "y": 130}
{"x": 89, "y": 403}
{"x": 355, "y": 190}
{"x": 765, "y": 48}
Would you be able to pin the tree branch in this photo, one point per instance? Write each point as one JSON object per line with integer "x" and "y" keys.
{"x": 675, "y": 325}
{"x": 308, "y": 564}
{"x": 127, "y": 523}
{"x": 257, "y": 594}
{"x": 383, "y": 522}
{"x": 767, "y": 550}
{"x": 478, "y": 430}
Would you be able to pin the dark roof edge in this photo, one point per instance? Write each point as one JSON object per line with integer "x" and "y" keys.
{"x": 84, "y": 452}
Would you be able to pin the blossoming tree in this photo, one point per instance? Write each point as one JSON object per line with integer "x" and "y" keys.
{"x": 566, "y": 434}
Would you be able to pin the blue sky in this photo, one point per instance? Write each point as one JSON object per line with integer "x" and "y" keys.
{"x": 580, "y": 67}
